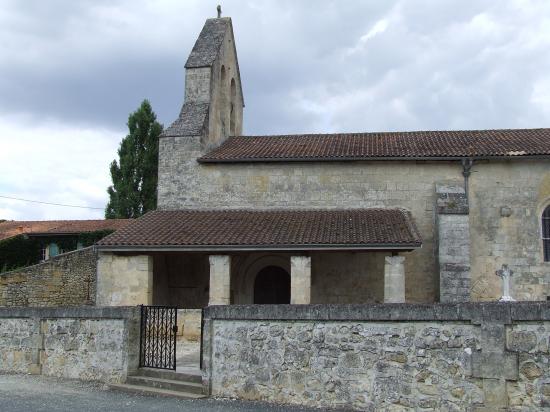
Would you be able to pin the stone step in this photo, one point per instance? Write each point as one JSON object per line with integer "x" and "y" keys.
{"x": 187, "y": 376}
{"x": 169, "y": 384}
{"x": 147, "y": 390}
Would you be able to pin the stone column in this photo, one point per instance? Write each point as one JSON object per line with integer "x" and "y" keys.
{"x": 220, "y": 279}
{"x": 124, "y": 280}
{"x": 300, "y": 279}
{"x": 394, "y": 279}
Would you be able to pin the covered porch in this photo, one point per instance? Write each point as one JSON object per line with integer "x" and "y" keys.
{"x": 197, "y": 280}
{"x": 191, "y": 259}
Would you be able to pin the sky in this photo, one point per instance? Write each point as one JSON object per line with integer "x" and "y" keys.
{"x": 72, "y": 71}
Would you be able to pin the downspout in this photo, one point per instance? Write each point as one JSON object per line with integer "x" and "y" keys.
{"x": 467, "y": 164}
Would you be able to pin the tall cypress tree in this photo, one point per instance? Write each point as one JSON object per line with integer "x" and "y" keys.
{"x": 134, "y": 189}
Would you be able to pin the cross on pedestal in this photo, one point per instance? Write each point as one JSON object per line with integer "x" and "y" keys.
{"x": 505, "y": 273}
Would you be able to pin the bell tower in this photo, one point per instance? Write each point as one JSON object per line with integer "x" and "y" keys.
{"x": 212, "y": 111}
{"x": 212, "y": 77}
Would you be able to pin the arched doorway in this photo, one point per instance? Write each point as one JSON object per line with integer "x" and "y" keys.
{"x": 272, "y": 286}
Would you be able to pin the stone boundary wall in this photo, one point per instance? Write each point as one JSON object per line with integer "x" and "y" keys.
{"x": 64, "y": 280}
{"x": 453, "y": 357}
{"x": 86, "y": 343}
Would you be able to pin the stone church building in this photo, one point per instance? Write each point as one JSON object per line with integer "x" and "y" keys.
{"x": 422, "y": 216}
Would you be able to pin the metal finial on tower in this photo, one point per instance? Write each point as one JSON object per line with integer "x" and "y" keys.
{"x": 219, "y": 8}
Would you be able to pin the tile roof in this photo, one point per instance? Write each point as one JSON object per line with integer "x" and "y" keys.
{"x": 208, "y": 43}
{"x": 358, "y": 146}
{"x": 40, "y": 227}
{"x": 190, "y": 122}
{"x": 268, "y": 229}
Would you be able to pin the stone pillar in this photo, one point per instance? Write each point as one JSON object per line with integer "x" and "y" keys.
{"x": 394, "y": 279}
{"x": 124, "y": 280}
{"x": 220, "y": 279}
{"x": 453, "y": 237}
{"x": 300, "y": 279}
{"x": 494, "y": 364}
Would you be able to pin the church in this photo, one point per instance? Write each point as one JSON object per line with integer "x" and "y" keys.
{"x": 387, "y": 217}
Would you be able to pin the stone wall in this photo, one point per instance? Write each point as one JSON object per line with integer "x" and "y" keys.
{"x": 67, "y": 279}
{"x": 453, "y": 357}
{"x": 124, "y": 280}
{"x": 521, "y": 186}
{"x": 183, "y": 183}
{"x": 506, "y": 203}
{"x": 86, "y": 343}
{"x": 347, "y": 277}
{"x": 338, "y": 277}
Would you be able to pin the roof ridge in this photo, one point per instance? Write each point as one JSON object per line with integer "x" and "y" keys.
{"x": 410, "y": 145}
{"x": 322, "y": 134}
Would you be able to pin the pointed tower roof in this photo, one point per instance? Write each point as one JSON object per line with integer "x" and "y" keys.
{"x": 208, "y": 44}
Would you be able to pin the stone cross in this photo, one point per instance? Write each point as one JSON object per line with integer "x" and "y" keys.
{"x": 219, "y": 8}
{"x": 505, "y": 273}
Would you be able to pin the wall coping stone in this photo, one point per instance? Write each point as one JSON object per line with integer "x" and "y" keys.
{"x": 83, "y": 312}
{"x": 478, "y": 312}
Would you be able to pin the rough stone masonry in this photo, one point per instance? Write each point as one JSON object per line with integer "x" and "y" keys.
{"x": 454, "y": 357}
{"x": 86, "y": 343}
{"x": 65, "y": 280}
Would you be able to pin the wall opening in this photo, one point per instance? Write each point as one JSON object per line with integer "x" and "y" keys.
{"x": 222, "y": 105}
{"x": 232, "y": 108}
{"x": 272, "y": 286}
{"x": 546, "y": 233}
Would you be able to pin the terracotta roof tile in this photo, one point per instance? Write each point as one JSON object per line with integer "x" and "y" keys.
{"x": 264, "y": 229}
{"x": 13, "y": 227}
{"x": 357, "y": 146}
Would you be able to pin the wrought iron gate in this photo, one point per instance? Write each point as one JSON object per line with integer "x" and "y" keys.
{"x": 157, "y": 343}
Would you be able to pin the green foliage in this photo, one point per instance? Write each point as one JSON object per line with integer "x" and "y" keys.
{"x": 88, "y": 239}
{"x": 18, "y": 251}
{"x": 134, "y": 189}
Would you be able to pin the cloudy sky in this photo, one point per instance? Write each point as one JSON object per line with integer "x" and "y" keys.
{"x": 72, "y": 71}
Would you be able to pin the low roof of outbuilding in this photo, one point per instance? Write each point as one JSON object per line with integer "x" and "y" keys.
{"x": 12, "y": 228}
{"x": 312, "y": 229}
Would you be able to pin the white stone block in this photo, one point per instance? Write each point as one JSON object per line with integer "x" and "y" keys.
{"x": 394, "y": 279}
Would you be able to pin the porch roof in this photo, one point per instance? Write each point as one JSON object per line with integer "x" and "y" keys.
{"x": 314, "y": 229}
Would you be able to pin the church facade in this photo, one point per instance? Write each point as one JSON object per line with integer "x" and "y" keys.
{"x": 328, "y": 218}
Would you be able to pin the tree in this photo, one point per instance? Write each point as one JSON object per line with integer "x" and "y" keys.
{"x": 134, "y": 189}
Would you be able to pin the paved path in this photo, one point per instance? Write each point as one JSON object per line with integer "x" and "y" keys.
{"x": 188, "y": 356}
{"x": 23, "y": 393}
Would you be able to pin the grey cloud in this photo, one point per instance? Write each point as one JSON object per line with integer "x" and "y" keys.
{"x": 428, "y": 69}
{"x": 306, "y": 66}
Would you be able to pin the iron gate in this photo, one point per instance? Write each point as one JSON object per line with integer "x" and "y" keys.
{"x": 157, "y": 342}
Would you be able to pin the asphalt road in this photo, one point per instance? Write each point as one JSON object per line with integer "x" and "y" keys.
{"x": 24, "y": 393}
